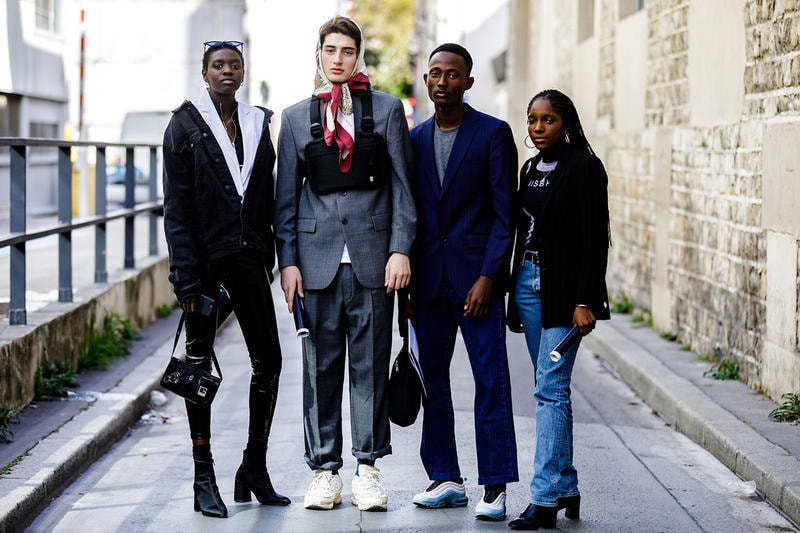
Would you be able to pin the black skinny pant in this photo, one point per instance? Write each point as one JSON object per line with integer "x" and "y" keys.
{"x": 244, "y": 276}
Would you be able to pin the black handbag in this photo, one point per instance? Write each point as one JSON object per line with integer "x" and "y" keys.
{"x": 189, "y": 381}
{"x": 371, "y": 164}
{"x": 405, "y": 390}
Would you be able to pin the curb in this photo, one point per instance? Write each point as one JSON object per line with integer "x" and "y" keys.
{"x": 687, "y": 409}
{"x": 62, "y": 456}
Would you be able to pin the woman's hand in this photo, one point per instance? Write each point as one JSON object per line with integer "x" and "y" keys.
{"x": 189, "y": 305}
{"x": 584, "y": 319}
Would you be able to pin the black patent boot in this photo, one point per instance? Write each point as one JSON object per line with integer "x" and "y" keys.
{"x": 206, "y": 494}
{"x": 253, "y": 477}
{"x": 535, "y": 517}
{"x": 572, "y": 504}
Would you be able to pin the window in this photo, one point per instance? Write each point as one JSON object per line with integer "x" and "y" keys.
{"x": 9, "y": 115}
{"x": 629, "y": 7}
{"x": 46, "y": 15}
{"x": 585, "y": 19}
{"x": 43, "y": 130}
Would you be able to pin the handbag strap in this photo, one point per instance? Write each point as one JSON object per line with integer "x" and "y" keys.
{"x": 178, "y": 336}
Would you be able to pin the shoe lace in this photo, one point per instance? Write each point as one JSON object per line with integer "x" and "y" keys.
{"x": 371, "y": 480}
{"x": 323, "y": 480}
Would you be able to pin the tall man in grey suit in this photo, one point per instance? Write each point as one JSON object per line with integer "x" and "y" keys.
{"x": 344, "y": 251}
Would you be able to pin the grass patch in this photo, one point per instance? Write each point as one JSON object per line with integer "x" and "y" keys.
{"x": 163, "y": 311}
{"x": 10, "y": 466}
{"x": 709, "y": 357}
{"x": 623, "y": 305}
{"x": 727, "y": 368}
{"x": 8, "y": 415}
{"x": 669, "y": 336}
{"x": 686, "y": 347}
{"x": 52, "y": 381}
{"x": 111, "y": 343}
{"x": 789, "y": 410}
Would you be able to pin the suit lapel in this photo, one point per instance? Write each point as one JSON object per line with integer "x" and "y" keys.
{"x": 466, "y": 131}
{"x": 428, "y": 166}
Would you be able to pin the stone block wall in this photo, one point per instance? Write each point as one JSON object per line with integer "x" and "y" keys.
{"x": 717, "y": 249}
{"x": 704, "y": 187}
{"x": 667, "y": 82}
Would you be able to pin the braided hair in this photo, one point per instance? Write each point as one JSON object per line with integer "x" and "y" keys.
{"x": 569, "y": 116}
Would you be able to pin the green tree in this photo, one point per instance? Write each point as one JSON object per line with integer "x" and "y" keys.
{"x": 388, "y": 27}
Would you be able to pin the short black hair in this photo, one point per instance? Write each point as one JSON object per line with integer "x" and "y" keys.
{"x": 211, "y": 49}
{"x": 455, "y": 49}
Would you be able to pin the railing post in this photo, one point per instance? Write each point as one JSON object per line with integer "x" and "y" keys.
{"x": 153, "y": 197}
{"x": 65, "y": 218}
{"x": 100, "y": 238}
{"x": 17, "y": 314}
{"x": 129, "y": 201}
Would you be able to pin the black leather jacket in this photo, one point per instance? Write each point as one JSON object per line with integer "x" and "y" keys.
{"x": 204, "y": 217}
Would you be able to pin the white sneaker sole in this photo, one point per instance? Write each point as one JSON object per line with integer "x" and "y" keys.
{"x": 326, "y": 505}
{"x": 376, "y": 507}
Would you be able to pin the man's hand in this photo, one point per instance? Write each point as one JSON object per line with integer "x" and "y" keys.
{"x": 291, "y": 283}
{"x": 398, "y": 272}
{"x": 477, "y": 302}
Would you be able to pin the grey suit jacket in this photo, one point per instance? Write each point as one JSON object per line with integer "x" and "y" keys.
{"x": 311, "y": 230}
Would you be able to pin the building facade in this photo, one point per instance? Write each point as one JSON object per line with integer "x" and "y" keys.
{"x": 693, "y": 107}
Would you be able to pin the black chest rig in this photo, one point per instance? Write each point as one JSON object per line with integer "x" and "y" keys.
{"x": 371, "y": 164}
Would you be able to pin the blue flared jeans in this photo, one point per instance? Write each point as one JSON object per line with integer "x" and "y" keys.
{"x": 554, "y": 474}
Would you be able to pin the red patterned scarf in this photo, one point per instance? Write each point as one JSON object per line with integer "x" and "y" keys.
{"x": 339, "y": 124}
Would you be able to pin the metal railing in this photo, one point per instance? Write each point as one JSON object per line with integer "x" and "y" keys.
{"x": 18, "y": 236}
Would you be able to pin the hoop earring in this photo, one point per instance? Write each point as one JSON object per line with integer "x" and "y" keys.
{"x": 525, "y": 141}
{"x": 207, "y": 85}
{"x": 566, "y": 137}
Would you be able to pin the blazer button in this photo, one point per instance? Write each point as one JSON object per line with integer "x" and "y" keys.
{"x": 344, "y": 221}
{"x": 344, "y": 193}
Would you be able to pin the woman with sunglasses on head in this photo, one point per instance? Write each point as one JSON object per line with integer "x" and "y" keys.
{"x": 218, "y": 206}
{"x": 559, "y": 267}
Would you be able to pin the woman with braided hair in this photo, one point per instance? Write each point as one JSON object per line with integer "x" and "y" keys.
{"x": 559, "y": 268}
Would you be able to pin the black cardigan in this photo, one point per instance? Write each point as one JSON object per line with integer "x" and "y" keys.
{"x": 572, "y": 237}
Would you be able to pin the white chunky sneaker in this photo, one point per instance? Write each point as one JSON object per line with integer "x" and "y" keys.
{"x": 495, "y": 509}
{"x": 324, "y": 492}
{"x": 368, "y": 492}
{"x": 442, "y": 494}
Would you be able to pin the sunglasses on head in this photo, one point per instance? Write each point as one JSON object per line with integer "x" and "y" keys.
{"x": 213, "y": 44}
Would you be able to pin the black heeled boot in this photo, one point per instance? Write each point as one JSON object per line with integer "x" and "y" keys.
{"x": 535, "y": 517}
{"x": 206, "y": 494}
{"x": 572, "y": 504}
{"x": 252, "y": 476}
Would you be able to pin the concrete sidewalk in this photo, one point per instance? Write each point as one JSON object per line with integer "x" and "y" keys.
{"x": 59, "y": 440}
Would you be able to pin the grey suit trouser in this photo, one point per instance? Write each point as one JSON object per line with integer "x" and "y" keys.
{"x": 346, "y": 321}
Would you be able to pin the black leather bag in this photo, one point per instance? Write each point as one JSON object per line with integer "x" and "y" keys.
{"x": 371, "y": 163}
{"x": 405, "y": 390}
{"x": 188, "y": 381}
